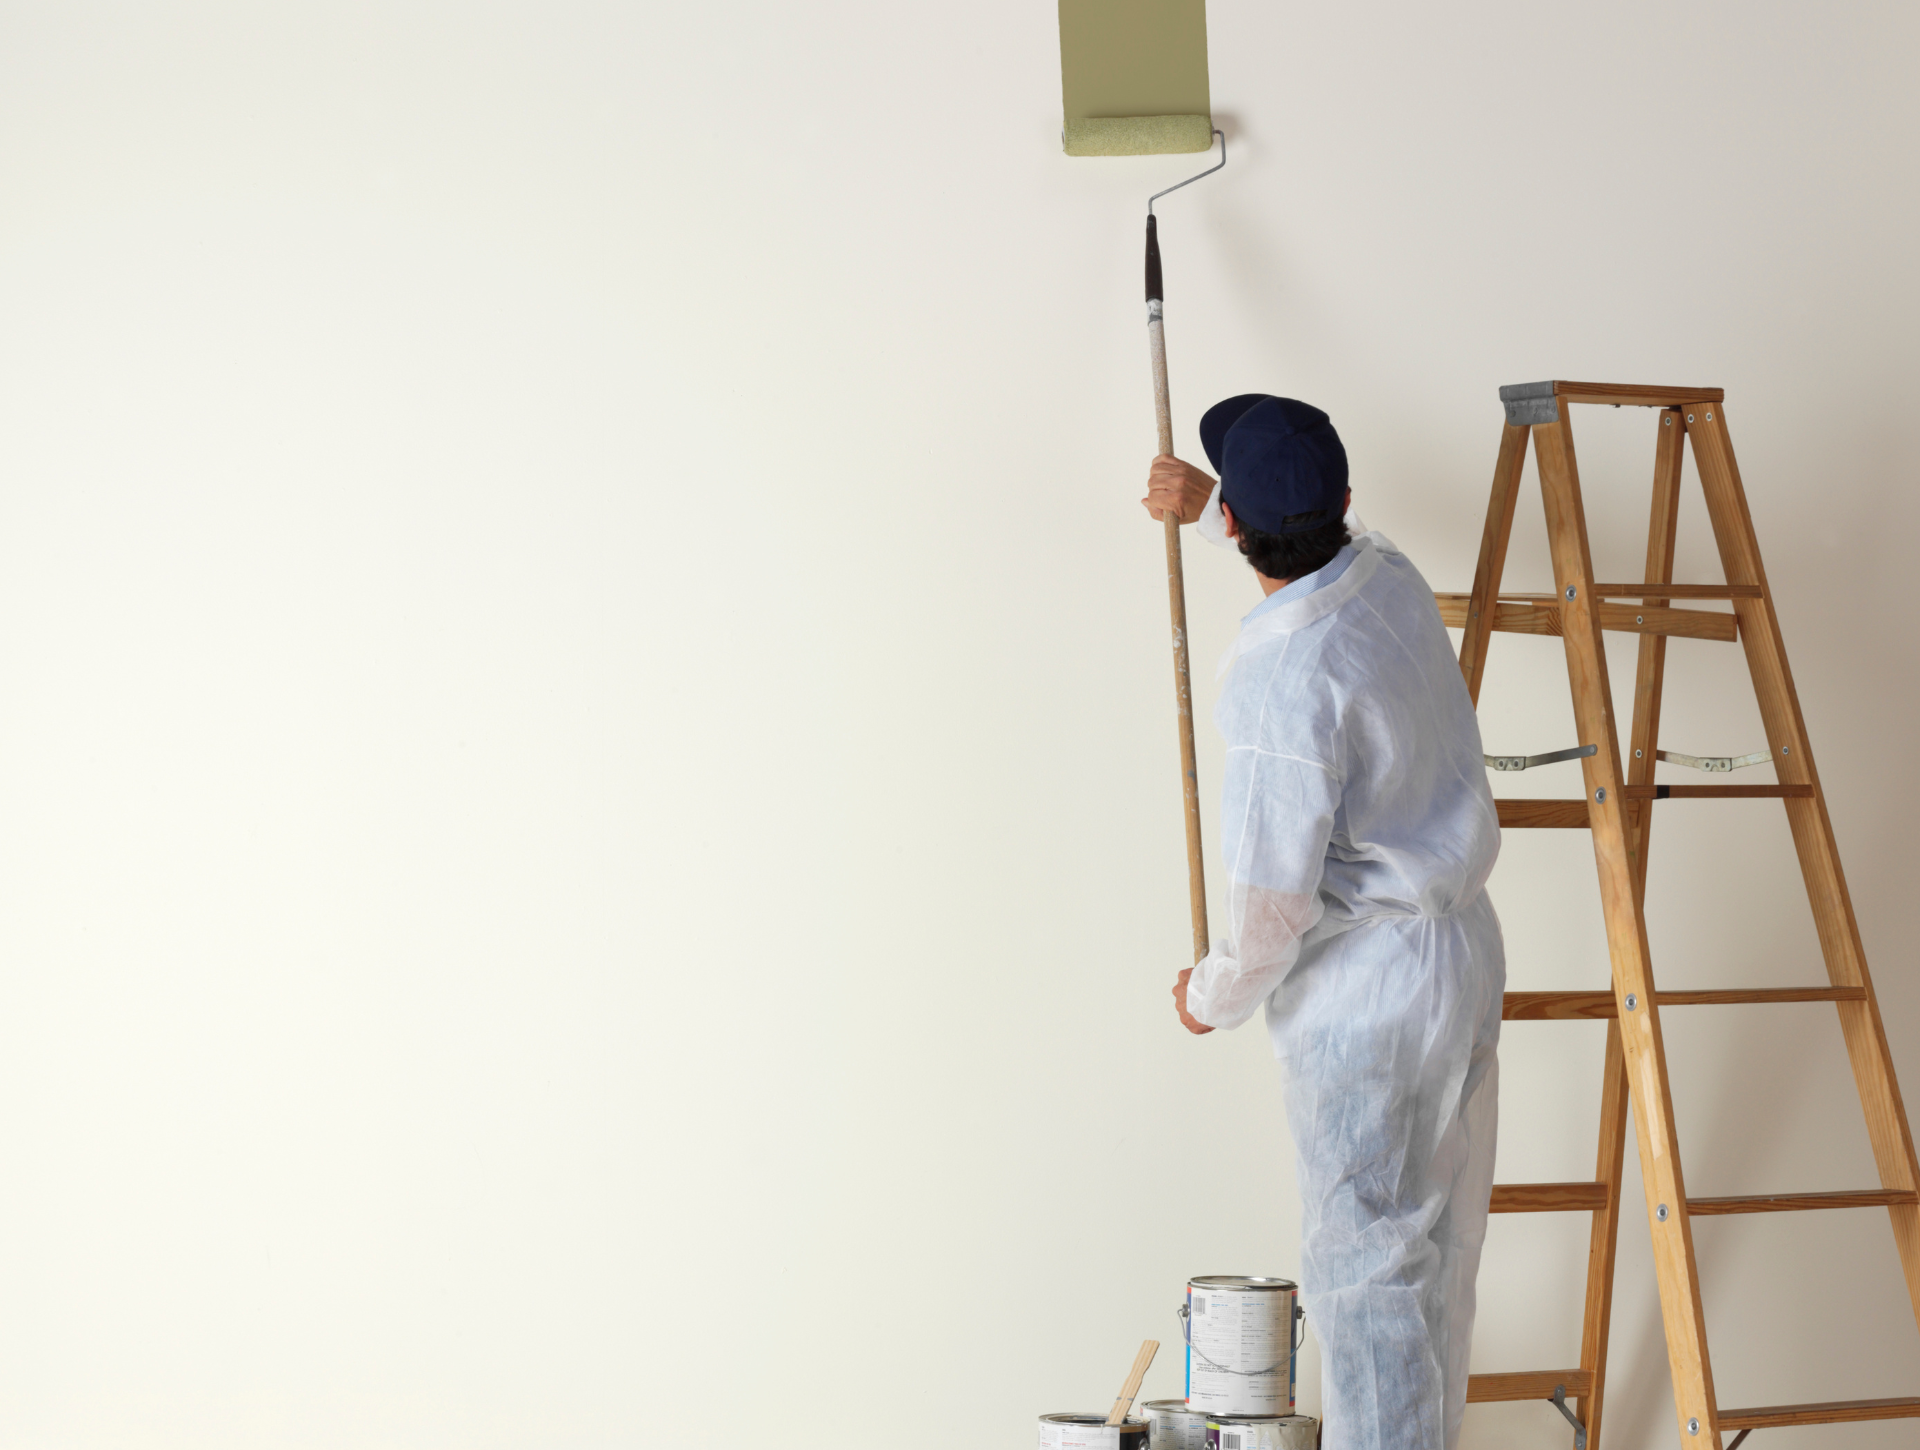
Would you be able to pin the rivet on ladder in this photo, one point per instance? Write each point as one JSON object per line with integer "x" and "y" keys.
{"x": 1661, "y": 1213}
{"x": 1639, "y": 619}
{"x": 1689, "y": 417}
{"x": 1786, "y": 750}
{"x": 1633, "y": 1001}
{"x": 1693, "y": 1427}
{"x": 1636, "y": 755}
{"x": 1667, "y": 422}
{"x": 1709, "y": 417}
{"x": 1571, "y": 591}
{"x": 1600, "y": 794}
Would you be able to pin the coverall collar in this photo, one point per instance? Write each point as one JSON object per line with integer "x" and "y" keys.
{"x": 1318, "y": 595}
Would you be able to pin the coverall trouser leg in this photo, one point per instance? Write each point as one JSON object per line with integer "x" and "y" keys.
{"x": 1389, "y": 1036}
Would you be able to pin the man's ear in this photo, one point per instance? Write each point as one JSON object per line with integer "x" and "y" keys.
{"x": 1226, "y": 513}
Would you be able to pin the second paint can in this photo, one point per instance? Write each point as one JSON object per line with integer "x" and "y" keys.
{"x": 1172, "y": 1426}
{"x": 1240, "y": 1344}
{"x": 1263, "y": 1432}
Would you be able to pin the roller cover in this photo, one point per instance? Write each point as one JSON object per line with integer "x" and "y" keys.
{"x": 1137, "y": 135}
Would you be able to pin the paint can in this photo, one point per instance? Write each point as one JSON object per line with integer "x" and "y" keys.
{"x": 1263, "y": 1432}
{"x": 1241, "y": 1344}
{"x": 1090, "y": 1432}
{"x": 1172, "y": 1426}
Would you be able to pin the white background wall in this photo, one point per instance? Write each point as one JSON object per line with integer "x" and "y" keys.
{"x": 589, "y": 835}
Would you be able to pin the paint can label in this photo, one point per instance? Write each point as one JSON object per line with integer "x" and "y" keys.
{"x": 1240, "y": 1350}
{"x": 1090, "y": 1432}
{"x": 1172, "y": 1426}
{"x": 1286, "y": 1432}
{"x": 1055, "y": 1436}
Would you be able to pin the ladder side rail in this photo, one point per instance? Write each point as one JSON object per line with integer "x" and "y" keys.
{"x": 1887, "y": 1126}
{"x": 1493, "y": 556}
{"x": 1650, "y": 677}
{"x": 1671, "y": 1230}
{"x": 1603, "y": 1244}
{"x": 1481, "y": 617}
{"x": 1649, "y": 683}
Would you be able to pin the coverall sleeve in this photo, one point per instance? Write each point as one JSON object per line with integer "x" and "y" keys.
{"x": 1277, "y": 818}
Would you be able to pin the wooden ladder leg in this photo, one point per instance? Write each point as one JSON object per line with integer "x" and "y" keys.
{"x": 1642, "y": 1045}
{"x": 1651, "y": 674}
{"x": 1604, "y": 1243}
{"x": 1493, "y": 556}
{"x": 1813, "y": 839}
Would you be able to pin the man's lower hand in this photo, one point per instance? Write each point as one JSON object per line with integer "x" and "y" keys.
{"x": 1187, "y": 1019}
{"x": 1177, "y": 487}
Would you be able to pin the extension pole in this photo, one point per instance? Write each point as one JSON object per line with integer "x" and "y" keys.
{"x": 1177, "y": 603}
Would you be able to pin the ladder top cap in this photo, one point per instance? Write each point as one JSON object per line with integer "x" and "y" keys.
{"x": 1529, "y": 404}
{"x": 1644, "y": 395}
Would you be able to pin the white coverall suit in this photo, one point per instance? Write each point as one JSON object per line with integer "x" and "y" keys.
{"x": 1359, "y": 832}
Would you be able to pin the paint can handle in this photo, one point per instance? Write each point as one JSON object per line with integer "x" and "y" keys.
{"x": 1185, "y": 1316}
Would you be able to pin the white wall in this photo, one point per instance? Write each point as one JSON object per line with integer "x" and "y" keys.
{"x": 589, "y": 836}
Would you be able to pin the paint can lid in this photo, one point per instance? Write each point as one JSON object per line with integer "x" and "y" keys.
{"x": 1240, "y": 1281}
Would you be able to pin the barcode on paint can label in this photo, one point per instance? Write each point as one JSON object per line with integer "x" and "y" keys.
{"x": 1288, "y": 1432}
{"x": 1199, "y": 1305}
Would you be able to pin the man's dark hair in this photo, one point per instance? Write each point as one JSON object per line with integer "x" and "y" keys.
{"x": 1289, "y": 555}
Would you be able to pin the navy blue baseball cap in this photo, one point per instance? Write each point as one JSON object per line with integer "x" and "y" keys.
{"x": 1278, "y": 459}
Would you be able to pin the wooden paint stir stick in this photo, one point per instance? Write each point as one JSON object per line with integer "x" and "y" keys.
{"x": 1131, "y": 1389}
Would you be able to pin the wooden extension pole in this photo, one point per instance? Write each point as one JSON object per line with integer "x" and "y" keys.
{"x": 1177, "y": 604}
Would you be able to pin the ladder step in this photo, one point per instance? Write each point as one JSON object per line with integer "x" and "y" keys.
{"x": 1677, "y": 591}
{"x": 1540, "y": 614}
{"x": 1547, "y": 1197}
{"x": 1522, "y": 814}
{"x": 1833, "y": 1412}
{"x": 1533, "y": 1384}
{"x": 1591, "y": 1006}
{"x": 1713, "y": 792}
{"x": 1797, "y": 1202}
{"x": 1590, "y": 1197}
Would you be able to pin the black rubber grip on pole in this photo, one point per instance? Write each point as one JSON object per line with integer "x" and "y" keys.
{"x": 1154, "y": 293}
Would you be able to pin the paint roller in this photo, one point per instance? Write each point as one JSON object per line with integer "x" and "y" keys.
{"x": 1133, "y": 82}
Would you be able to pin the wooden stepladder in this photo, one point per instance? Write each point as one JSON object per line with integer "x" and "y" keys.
{"x": 1618, "y": 810}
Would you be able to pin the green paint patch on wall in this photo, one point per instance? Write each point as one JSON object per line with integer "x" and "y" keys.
{"x": 1133, "y": 77}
